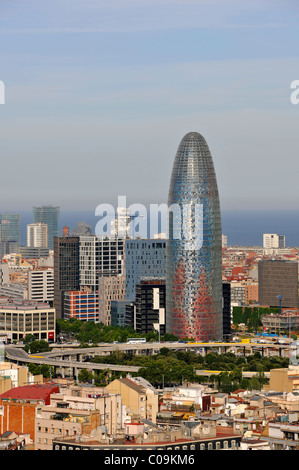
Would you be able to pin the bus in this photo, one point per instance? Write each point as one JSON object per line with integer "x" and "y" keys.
{"x": 136, "y": 340}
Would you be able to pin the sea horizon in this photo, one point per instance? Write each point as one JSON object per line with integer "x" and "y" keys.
{"x": 242, "y": 228}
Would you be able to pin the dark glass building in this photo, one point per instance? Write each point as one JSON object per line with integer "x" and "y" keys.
{"x": 194, "y": 251}
{"x": 66, "y": 270}
{"x": 147, "y": 313}
{"x": 226, "y": 310}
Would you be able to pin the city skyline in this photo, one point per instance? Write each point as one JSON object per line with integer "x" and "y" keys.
{"x": 98, "y": 97}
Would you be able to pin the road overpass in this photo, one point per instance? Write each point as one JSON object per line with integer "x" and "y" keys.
{"x": 70, "y": 360}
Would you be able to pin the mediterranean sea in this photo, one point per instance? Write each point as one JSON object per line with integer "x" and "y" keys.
{"x": 243, "y": 228}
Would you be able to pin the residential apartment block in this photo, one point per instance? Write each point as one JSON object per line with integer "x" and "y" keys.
{"x": 75, "y": 416}
{"x": 37, "y": 235}
{"x": 41, "y": 284}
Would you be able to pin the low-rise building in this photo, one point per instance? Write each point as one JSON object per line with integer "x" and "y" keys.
{"x": 282, "y": 435}
{"x": 18, "y": 407}
{"x": 13, "y": 375}
{"x": 13, "y": 441}
{"x": 195, "y": 436}
{"x": 21, "y": 318}
{"x": 140, "y": 400}
{"x": 74, "y": 416}
{"x": 284, "y": 379}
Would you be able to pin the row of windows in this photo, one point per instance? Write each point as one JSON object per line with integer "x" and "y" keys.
{"x": 203, "y": 446}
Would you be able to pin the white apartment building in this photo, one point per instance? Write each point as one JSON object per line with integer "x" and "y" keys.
{"x": 272, "y": 240}
{"x": 37, "y": 235}
{"x": 224, "y": 241}
{"x": 41, "y": 284}
{"x": 237, "y": 292}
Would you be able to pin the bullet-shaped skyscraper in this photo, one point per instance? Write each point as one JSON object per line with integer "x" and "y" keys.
{"x": 194, "y": 251}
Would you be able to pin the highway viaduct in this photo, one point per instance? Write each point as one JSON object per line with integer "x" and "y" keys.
{"x": 70, "y": 360}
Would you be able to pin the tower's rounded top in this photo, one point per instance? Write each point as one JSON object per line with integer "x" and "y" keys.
{"x": 193, "y": 135}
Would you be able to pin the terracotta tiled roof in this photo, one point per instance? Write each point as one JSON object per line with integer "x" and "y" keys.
{"x": 31, "y": 392}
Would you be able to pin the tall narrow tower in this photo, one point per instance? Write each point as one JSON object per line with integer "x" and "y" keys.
{"x": 194, "y": 245}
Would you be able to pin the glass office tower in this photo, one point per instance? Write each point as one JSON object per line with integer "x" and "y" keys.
{"x": 194, "y": 251}
{"x": 10, "y": 227}
{"x": 48, "y": 215}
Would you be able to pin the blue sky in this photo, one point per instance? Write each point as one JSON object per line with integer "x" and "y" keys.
{"x": 98, "y": 95}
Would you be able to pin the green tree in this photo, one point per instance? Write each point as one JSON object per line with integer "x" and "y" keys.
{"x": 85, "y": 376}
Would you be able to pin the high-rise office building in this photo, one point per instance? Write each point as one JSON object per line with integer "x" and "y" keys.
{"x": 66, "y": 270}
{"x": 110, "y": 288}
{"x": 99, "y": 256}
{"x": 278, "y": 283}
{"x": 37, "y": 235}
{"x": 226, "y": 308}
{"x": 7, "y": 247}
{"x": 48, "y": 215}
{"x": 143, "y": 258}
{"x": 10, "y": 227}
{"x": 149, "y": 311}
{"x": 194, "y": 252}
{"x": 82, "y": 228}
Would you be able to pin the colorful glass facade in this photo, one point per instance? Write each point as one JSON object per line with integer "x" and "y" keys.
{"x": 194, "y": 251}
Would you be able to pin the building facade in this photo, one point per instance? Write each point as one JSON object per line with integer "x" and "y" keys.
{"x": 82, "y": 305}
{"x": 71, "y": 416}
{"x": 66, "y": 270}
{"x": 272, "y": 240}
{"x": 143, "y": 258}
{"x": 110, "y": 288}
{"x": 194, "y": 245}
{"x": 227, "y": 321}
{"x": 7, "y": 247}
{"x": 99, "y": 256}
{"x": 29, "y": 252}
{"x": 48, "y": 215}
{"x": 18, "y": 407}
{"x": 148, "y": 312}
{"x": 10, "y": 227}
{"x": 278, "y": 283}
{"x": 118, "y": 312}
{"x": 18, "y": 319}
{"x": 37, "y": 235}
{"x": 41, "y": 284}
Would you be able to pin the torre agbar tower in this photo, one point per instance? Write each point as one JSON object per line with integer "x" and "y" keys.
{"x": 194, "y": 245}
